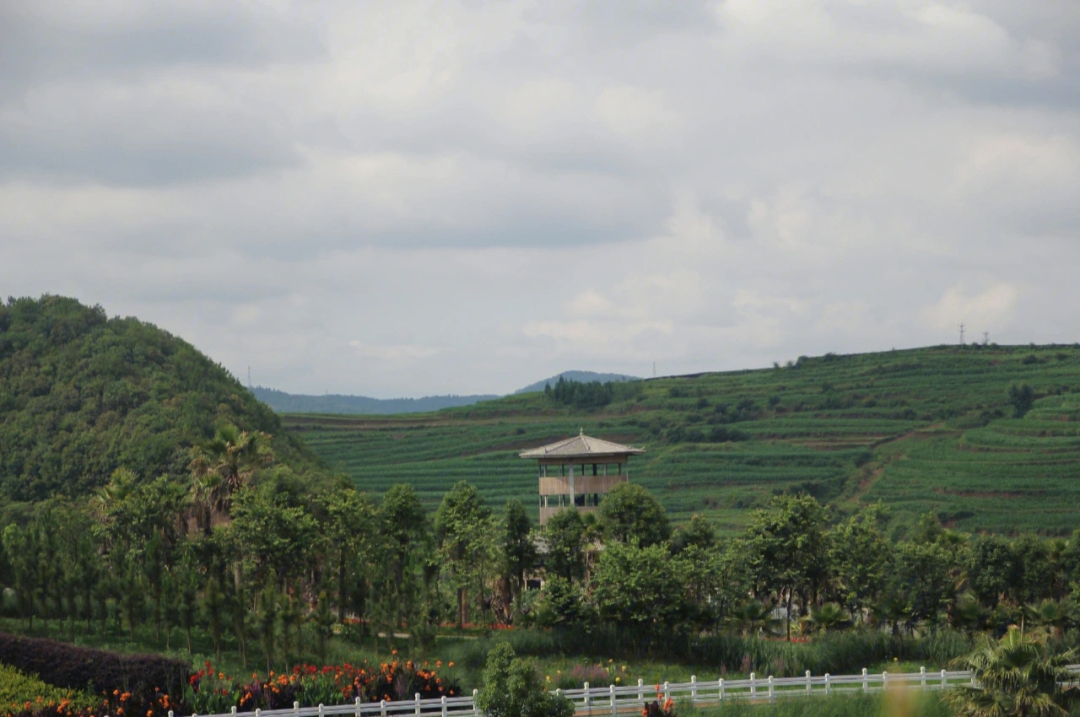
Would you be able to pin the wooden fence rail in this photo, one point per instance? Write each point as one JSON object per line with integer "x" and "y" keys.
{"x": 630, "y": 699}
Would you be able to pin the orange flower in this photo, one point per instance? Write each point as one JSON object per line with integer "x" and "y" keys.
{"x": 450, "y": 665}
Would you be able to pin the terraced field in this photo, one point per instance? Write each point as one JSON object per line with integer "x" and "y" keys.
{"x": 923, "y": 429}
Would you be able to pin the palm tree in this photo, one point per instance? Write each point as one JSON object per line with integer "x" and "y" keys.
{"x": 223, "y": 465}
{"x": 893, "y": 611}
{"x": 966, "y": 613}
{"x": 753, "y": 617}
{"x": 828, "y": 616}
{"x": 1050, "y": 614}
{"x": 1016, "y": 677}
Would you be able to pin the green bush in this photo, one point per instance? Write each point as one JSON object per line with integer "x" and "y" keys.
{"x": 17, "y": 688}
{"x": 512, "y": 688}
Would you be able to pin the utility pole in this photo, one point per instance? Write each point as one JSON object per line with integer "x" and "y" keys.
{"x": 249, "y": 378}
{"x": 961, "y": 333}
{"x": 986, "y": 337}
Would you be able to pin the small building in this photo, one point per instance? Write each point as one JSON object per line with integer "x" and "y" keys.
{"x": 578, "y": 472}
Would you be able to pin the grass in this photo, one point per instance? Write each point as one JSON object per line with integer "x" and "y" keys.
{"x": 922, "y": 430}
{"x": 899, "y": 703}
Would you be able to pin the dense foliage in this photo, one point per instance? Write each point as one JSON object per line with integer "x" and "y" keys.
{"x": 1019, "y": 676}
{"x": 82, "y": 395}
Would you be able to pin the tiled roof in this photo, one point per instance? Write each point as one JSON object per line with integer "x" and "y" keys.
{"x": 581, "y": 446}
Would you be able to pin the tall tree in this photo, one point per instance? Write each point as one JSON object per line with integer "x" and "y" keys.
{"x": 860, "y": 555}
{"x": 564, "y": 534}
{"x": 518, "y": 548}
{"x": 788, "y": 550}
{"x": 462, "y": 526}
{"x": 629, "y": 512}
{"x": 347, "y": 532}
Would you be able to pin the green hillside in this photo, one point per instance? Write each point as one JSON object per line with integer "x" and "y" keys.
{"x": 923, "y": 429}
{"x": 82, "y": 394}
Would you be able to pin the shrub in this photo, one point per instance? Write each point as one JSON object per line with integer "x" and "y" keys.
{"x": 17, "y": 689}
{"x": 512, "y": 688}
{"x": 144, "y": 677}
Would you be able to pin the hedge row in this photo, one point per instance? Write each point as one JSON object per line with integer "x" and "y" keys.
{"x": 75, "y": 667}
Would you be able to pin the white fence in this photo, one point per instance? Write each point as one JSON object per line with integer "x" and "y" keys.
{"x": 629, "y": 699}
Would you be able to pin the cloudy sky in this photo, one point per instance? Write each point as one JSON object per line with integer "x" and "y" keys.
{"x": 406, "y": 198}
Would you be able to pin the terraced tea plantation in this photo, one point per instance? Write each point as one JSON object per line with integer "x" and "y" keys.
{"x": 923, "y": 429}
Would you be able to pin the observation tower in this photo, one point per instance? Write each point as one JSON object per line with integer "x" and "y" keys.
{"x": 577, "y": 472}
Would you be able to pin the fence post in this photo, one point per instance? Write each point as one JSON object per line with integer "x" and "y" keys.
{"x": 587, "y": 707}
{"x": 693, "y": 689}
{"x": 667, "y": 692}
{"x": 865, "y": 680}
{"x": 772, "y": 697}
{"x": 443, "y": 704}
{"x": 322, "y": 710}
{"x": 475, "y": 709}
{"x": 258, "y": 713}
{"x": 640, "y": 693}
{"x": 233, "y": 710}
{"x": 809, "y": 684}
{"x": 944, "y": 680}
{"x": 753, "y": 685}
{"x": 826, "y": 684}
{"x": 356, "y": 703}
{"x": 721, "y": 692}
{"x": 296, "y": 709}
{"x": 382, "y": 708}
{"x": 884, "y": 680}
{"x": 170, "y": 713}
{"x": 611, "y": 691}
{"x": 922, "y": 677}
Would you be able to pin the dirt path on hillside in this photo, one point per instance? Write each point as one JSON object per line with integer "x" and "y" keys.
{"x": 869, "y": 479}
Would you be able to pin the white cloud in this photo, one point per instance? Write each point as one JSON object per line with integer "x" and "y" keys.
{"x": 991, "y": 309}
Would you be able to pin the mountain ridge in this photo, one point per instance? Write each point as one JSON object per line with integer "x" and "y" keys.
{"x": 349, "y": 404}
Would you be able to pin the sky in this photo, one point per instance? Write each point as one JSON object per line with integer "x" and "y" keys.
{"x": 409, "y": 198}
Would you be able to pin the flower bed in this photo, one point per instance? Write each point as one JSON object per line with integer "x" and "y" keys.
{"x": 211, "y": 691}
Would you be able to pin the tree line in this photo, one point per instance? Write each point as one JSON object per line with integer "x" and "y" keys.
{"x": 250, "y": 557}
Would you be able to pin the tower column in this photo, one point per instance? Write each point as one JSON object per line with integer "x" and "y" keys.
{"x": 572, "y": 504}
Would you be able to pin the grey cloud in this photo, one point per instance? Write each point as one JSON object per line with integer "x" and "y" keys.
{"x": 445, "y": 184}
{"x": 51, "y": 40}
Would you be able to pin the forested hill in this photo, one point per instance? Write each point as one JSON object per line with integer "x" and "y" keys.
{"x": 580, "y": 377}
{"x": 82, "y": 394}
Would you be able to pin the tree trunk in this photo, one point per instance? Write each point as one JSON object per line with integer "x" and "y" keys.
{"x": 788, "y": 616}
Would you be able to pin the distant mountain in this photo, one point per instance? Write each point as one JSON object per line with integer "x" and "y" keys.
{"x": 582, "y": 376}
{"x": 336, "y": 403}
